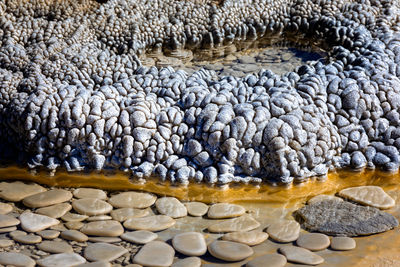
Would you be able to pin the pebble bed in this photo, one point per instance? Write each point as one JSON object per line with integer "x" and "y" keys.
{"x": 91, "y": 227}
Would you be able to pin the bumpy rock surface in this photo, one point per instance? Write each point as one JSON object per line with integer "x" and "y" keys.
{"x": 344, "y": 218}
{"x": 73, "y": 92}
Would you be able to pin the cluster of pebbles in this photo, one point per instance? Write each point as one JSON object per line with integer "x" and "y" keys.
{"x": 88, "y": 227}
{"x": 74, "y": 94}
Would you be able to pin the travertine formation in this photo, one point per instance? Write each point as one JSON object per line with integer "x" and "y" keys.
{"x": 73, "y": 92}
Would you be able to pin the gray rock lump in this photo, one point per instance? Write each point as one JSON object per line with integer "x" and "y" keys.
{"x": 344, "y": 218}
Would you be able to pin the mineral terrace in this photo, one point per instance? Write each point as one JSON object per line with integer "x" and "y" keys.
{"x": 73, "y": 93}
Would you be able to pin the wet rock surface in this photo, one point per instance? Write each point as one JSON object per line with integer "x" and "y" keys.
{"x": 344, "y": 219}
{"x": 313, "y": 241}
{"x": 229, "y": 251}
{"x": 224, "y": 210}
{"x": 150, "y": 223}
{"x": 250, "y": 238}
{"x": 343, "y": 243}
{"x": 16, "y": 259}
{"x": 373, "y": 196}
{"x": 190, "y": 244}
{"x": 147, "y": 255}
{"x": 171, "y": 206}
{"x": 284, "y": 231}
{"x": 244, "y": 223}
{"x": 273, "y": 260}
{"x": 139, "y": 237}
{"x": 301, "y": 255}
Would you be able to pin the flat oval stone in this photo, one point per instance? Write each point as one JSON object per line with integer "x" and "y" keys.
{"x": 225, "y": 210}
{"x": 250, "y": 238}
{"x": 17, "y": 191}
{"x": 5, "y": 208}
{"x": 8, "y": 220}
{"x": 373, "y": 196}
{"x": 99, "y": 218}
{"x": 6, "y": 243}
{"x": 103, "y": 252}
{"x": 301, "y": 255}
{"x": 89, "y": 193}
{"x": 32, "y": 222}
{"x": 104, "y": 239}
{"x": 274, "y": 260}
{"x": 55, "y": 247}
{"x": 91, "y": 206}
{"x": 132, "y": 200}
{"x": 49, "y": 234}
{"x": 284, "y": 231}
{"x": 313, "y": 241}
{"x": 139, "y": 237}
{"x": 320, "y": 198}
{"x": 103, "y": 228}
{"x": 229, "y": 251}
{"x": 343, "y": 243}
{"x": 344, "y": 218}
{"x": 171, "y": 206}
{"x": 244, "y": 223}
{"x": 150, "y": 223}
{"x": 28, "y": 239}
{"x": 188, "y": 262}
{"x": 146, "y": 255}
{"x": 8, "y": 229}
{"x": 74, "y": 235}
{"x": 196, "y": 209}
{"x": 124, "y": 214}
{"x": 58, "y": 227}
{"x": 17, "y": 233}
{"x": 73, "y": 217}
{"x": 97, "y": 264}
{"x": 55, "y": 211}
{"x": 16, "y": 259}
{"x": 190, "y": 244}
{"x": 74, "y": 225}
{"x": 47, "y": 198}
{"x": 61, "y": 260}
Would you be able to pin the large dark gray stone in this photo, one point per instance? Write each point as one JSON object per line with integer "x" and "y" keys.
{"x": 344, "y": 219}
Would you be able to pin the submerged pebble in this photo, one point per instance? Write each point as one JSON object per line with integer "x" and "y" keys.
{"x": 284, "y": 231}
{"x": 229, "y": 251}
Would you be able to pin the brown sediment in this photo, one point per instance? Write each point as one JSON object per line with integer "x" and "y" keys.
{"x": 334, "y": 182}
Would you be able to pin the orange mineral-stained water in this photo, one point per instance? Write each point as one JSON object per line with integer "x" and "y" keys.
{"x": 334, "y": 182}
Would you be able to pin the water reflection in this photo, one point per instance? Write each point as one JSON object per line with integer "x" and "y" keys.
{"x": 241, "y": 58}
